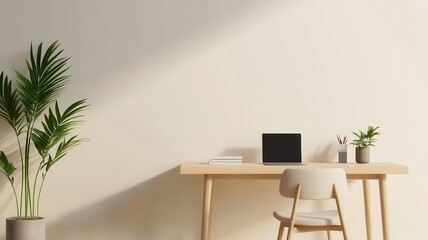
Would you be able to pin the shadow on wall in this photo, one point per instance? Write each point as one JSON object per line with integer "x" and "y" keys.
{"x": 146, "y": 29}
{"x": 145, "y": 211}
{"x": 9, "y": 145}
{"x": 106, "y": 37}
{"x": 245, "y": 204}
{"x": 139, "y": 35}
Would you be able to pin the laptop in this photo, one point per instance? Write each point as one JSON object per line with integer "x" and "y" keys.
{"x": 281, "y": 148}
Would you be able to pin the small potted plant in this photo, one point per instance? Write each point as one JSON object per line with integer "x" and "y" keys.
{"x": 364, "y": 141}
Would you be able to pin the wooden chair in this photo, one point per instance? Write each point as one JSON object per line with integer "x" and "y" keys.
{"x": 312, "y": 184}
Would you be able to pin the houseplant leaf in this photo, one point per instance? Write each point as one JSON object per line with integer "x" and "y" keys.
{"x": 47, "y": 80}
{"x": 62, "y": 150}
{"x": 57, "y": 126}
{"x": 6, "y": 166}
{"x": 10, "y": 105}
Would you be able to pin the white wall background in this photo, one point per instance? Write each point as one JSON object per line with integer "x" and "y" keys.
{"x": 181, "y": 81}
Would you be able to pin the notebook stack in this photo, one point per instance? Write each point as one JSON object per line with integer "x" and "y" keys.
{"x": 226, "y": 160}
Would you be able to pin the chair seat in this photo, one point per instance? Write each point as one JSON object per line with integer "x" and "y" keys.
{"x": 323, "y": 218}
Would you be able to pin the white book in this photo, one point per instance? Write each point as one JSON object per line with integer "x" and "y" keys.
{"x": 227, "y": 158}
{"x": 223, "y": 162}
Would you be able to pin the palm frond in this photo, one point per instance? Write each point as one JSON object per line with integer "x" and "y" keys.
{"x": 46, "y": 82}
{"x": 6, "y": 166}
{"x": 57, "y": 126}
{"x": 62, "y": 150}
{"x": 10, "y": 106}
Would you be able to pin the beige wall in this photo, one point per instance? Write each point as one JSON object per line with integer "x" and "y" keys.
{"x": 181, "y": 81}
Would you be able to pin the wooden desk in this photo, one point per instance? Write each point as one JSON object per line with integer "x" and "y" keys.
{"x": 365, "y": 172}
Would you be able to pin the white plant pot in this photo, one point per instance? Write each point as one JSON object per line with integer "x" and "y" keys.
{"x": 34, "y": 229}
{"x": 362, "y": 155}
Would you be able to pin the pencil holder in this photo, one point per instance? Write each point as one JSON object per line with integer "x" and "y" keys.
{"x": 343, "y": 153}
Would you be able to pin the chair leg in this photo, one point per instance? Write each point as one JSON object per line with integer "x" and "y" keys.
{"x": 345, "y": 235}
{"x": 281, "y": 231}
{"x": 328, "y": 235}
{"x": 293, "y": 212}
{"x": 290, "y": 231}
{"x": 339, "y": 209}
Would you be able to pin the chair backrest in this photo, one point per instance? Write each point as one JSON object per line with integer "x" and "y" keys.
{"x": 316, "y": 183}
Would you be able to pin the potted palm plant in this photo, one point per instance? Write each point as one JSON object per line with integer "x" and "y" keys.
{"x": 363, "y": 142}
{"x": 32, "y": 111}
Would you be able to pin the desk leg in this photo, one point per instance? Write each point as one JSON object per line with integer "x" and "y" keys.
{"x": 367, "y": 208}
{"x": 206, "y": 212}
{"x": 384, "y": 206}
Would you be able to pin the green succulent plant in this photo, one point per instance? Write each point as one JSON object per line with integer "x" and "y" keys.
{"x": 366, "y": 139}
{"x": 22, "y": 108}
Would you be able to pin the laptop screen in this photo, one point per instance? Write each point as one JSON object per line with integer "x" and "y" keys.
{"x": 280, "y": 148}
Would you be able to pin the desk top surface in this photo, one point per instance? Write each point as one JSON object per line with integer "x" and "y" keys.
{"x": 258, "y": 168}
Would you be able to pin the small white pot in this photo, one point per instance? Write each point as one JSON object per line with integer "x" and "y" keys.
{"x": 34, "y": 229}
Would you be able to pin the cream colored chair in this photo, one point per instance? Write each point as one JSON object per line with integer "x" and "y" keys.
{"x": 312, "y": 184}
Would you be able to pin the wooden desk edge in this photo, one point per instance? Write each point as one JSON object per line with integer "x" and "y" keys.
{"x": 376, "y": 168}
